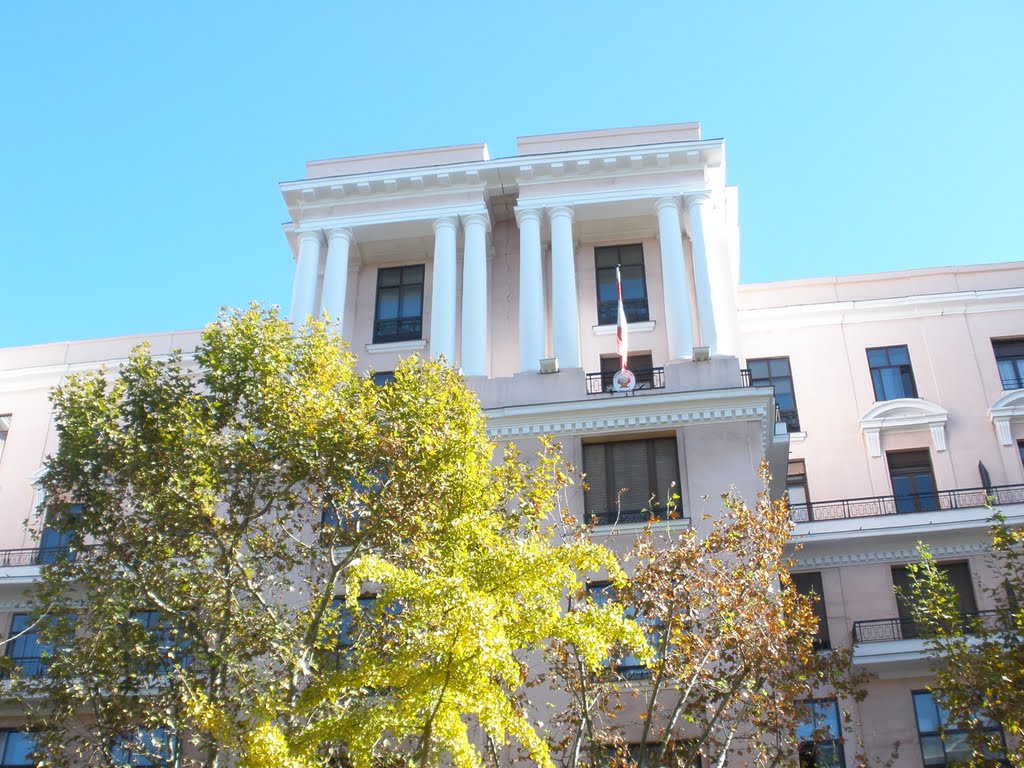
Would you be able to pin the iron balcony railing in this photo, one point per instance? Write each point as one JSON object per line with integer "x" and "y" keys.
{"x": 932, "y": 501}
{"x": 626, "y": 517}
{"x": 885, "y": 630}
{"x": 41, "y": 555}
{"x": 646, "y": 378}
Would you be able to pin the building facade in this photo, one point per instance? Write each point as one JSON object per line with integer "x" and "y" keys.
{"x": 889, "y": 405}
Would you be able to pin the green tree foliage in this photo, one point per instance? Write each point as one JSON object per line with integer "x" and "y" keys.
{"x": 734, "y": 657}
{"x": 226, "y": 500}
{"x": 978, "y": 659}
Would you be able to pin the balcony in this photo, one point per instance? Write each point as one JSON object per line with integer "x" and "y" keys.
{"x": 890, "y": 630}
{"x": 933, "y": 501}
{"x": 14, "y": 558}
{"x": 646, "y": 378}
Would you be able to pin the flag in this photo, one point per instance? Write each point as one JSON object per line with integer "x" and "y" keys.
{"x": 622, "y": 332}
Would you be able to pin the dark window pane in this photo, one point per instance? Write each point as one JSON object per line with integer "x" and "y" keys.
{"x": 399, "y": 304}
{"x": 891, "y": 373}
{"x": 629, "y": 481}
{"x": 775, "y": 372}
{"x": 630, "y": 258}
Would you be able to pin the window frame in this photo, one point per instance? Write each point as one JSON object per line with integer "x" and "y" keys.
{"x": 5, "y": 736}
{"x": 941, "y": 717}
{"x": 415, "y": 332}
{"x": 656, "y": 505}
{"x": 778, "y": 381}
{"x": 608, "y": 310}
{"x": 836, "y": 742}
{"x": 628, "y": 666}
{"x": 913, "y": 465}
{"x": 1010, "y": 351}
{"x": 904, "y": 374}
{"x": 967, "y": 599}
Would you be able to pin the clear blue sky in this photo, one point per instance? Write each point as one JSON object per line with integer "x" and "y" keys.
{"x": 141, "y": 143}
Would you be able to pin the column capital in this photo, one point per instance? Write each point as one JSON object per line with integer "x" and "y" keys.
{"x": 528, "y": 214}
{"x": 344, "y": 233}
{"x": 476, "y": 219}
{"x": 562, "y": 211}
{"x": 697, "y": 198}
{"x": 315, "y": 235}
{"x": 445, "y": 222}
{"x": 672, "y": 202}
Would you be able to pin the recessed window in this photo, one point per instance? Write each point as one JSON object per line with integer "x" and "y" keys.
{"x": 942, "y": 743}
{"x": 959, "y": 577}
{"x": 382, "y": 378}
{"x": 630, "y": 481}
{"x": 809, "y": 584}
{"x": 399, "y": 315}
{"x": 820, "y": 735}
{"x": 16, "y": 748}
{"x": 342, "y": 654}
{"x": 913, "y": 483}
{"x": 630, "y": 260}
{"x": 641, "y": 364}
{"x": 1010, "y": 360}
{"x": 775, "y": 372}
{"x": 56, "y": 544}
{"x": 168, "y": 645}
{"x": 891, "y": 373}
{"x": 145, "y": 747}
{"x": 796, "y": 490}
{"x": 628, "y": 666}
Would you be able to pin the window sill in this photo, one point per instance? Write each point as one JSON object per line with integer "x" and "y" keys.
{"x": 397, "y": 346}
{"x": 609, "y": 330}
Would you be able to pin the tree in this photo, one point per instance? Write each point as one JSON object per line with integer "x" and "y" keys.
{"x": 978, "y": 660}
{"x": 734, "y": 660}
{"x": 217, "y": 505}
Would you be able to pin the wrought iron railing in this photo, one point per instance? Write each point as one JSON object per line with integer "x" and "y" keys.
{"x": 397, "y": 329}
{"x": 932, "y": 501}
{"x": 646, "y": 378}
{"x": 627, "y": 517}
{"x": 885, "y": 630}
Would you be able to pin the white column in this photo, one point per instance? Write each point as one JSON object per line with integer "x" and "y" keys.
{"x": 306, "y": 267}
{"x": 474, "y": 295}
{"x": 531, "y": 291}
{"x": 695, "y": 205}
{"x": 336, "y": 275}
{"x": 442, "y": 300}
{"x": 678, "y": 326}
{"x": 565, "y": 306}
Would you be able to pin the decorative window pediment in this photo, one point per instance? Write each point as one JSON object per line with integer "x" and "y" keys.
{"x": 1006, "y": 410}
{"x": 904, "y": 414}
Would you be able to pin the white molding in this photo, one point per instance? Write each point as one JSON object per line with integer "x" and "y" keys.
{"x": 47, "y": 376}
{"x": 1006, "y": 410}
{"x": 632, "y": 414}
{"x": 881, "y": 310}
{"x": 902, "y": 415}
{"x": 609, "y": 329}
{"x": 354, "y": 221}
{"x": 906, "y": 554}
{"x": 397, "y": 346}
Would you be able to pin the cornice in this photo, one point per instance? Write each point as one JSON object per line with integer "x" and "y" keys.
{"x": 355, "y": 220}
{"x": 47, "y": 376}
{"x": 632, "y": 414}
{"x": 307, "y": 194}
{"x": 900, "y": 555}
{"x": 881, "y": 310}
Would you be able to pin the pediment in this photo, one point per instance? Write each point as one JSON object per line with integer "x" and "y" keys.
{"x": 903, "y": 414}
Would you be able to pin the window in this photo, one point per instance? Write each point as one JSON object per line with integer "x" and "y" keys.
{"x": 170, "y": 648}
{"x": 1010, "y": 360}
{"x": 942, "y": 745}
{"x": 346, "y": 629}
{"x": 796, "y": 490}
{"x": 774, "y": 372}
{"x": 630, "y": 260}
{"x": 630, "y": 481}
{"x": 55, "y": 545}
{"x": 24, "y": 647}
{"x": 146, "y": 747}
{"x": 642, "y": 364}
{"x": 820, "y": 735}
{"x": 380, "y": 378}
{"x": 891, "y": 374}
{"x": 5, "y": 426}
{"x": 913, "y": 484}
{"x": 810, "y": 584}
{"x": 958, "y": 575}
{"x": 627, "y": 666}
{"x": 15, "y": 748}
{"x": 399, "y": 314}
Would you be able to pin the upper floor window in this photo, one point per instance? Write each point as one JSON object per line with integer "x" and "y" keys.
{"x": 630, "y": 481}
{"x": 383, "y": 378}
{"x": 913, "y": 483}
{"x": 1010, "y": 359}
{"x": 5, "y": 425}
{"x": 891, "y": 374}
{"x": 146, "y": 747}
{"x": 796, "y": 490}
{"x": 641, "y": 364}
{"x": 775, "y": 372}
{"x": 399, "y": 314}
{"x": 820, "y": 735}
{"x": 27, "y": 652}
{"x": 628, "y": 666}
{"x": 16, "y": 748}
{"x": 55, "y": 545}
{"x": 810, "y": 584}
{"x": 942, "y": 744}
{"x": 959, "y": 577}
{"x": 630, "y": 260}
